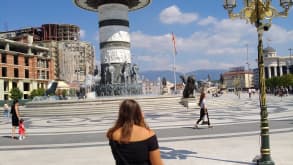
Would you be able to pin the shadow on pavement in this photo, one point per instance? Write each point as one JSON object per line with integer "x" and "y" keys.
{"x": 170, "y": 153}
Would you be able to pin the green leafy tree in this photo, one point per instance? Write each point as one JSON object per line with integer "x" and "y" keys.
{"x": 37, "y": 92}
{"x": 221, "y": 79}
{"x": 64, "y": 92}
{"x": 15, "y": 93}
{"x": 285, "y": 81}
{"x": 209, "y": 78}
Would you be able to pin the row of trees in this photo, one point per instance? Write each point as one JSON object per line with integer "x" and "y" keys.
{"x": 16, "y": 93}
{"x": 282, "y": 81}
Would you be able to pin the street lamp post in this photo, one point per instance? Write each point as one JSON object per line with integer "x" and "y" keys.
{"x": 260, "y": 13}
{"x": 291, "y": 65}
{"x": 248, "y": 68}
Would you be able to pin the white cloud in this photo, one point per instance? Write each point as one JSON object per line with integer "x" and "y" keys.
{"x": 207, "y": 21}
{"x": 173, "y": 15}
{"x": 151, "y": 43}
{"x": 82, "y": 33}
{"x": 153, "y": 62}
{"x": 278, "y": 34}
{"x": 214, "y": 44}
{"x": 220, "y": 46}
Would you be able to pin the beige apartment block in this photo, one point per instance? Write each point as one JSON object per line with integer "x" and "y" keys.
{"x": 24, "y": 65}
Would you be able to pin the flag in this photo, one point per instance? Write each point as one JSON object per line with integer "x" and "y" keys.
{"x": 174, "y": 43}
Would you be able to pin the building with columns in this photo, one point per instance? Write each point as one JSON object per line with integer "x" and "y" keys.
{"x": 276, "y": 66}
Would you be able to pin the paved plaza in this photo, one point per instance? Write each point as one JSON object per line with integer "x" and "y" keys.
{"x": 80, "y": 138}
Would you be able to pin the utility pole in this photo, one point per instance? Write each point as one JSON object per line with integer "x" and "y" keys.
{"x": 248, "y": 68}
{"x": 290, "y": 57}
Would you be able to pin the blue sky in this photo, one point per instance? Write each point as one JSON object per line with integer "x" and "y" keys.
{"x": 205, "y": 37}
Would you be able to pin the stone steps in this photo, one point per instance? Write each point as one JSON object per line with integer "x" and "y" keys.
{"x": 98, "y": 106}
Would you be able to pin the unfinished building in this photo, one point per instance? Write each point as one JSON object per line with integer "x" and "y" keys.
{"x": 73, "y": 59}
{"x": 24, "y": 65}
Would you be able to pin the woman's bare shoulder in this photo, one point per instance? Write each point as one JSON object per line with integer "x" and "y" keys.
{"x": 116, "y": 134}
{"x": 142, "y": 133}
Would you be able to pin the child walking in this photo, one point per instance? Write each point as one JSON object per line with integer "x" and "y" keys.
{"x": 21, "y": 129}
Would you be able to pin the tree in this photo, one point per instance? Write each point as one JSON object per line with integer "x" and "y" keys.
{"x": 64, "y": 92}
{"x": 285, "y": 81}
{"x": 164, "y": 82}
{"x": 15, "y": 93}
{"x": 221, "y": 79}
{"x": 209, "y": 78}
{"x": 273, "y": 82}
{"x": 37, "y": 92}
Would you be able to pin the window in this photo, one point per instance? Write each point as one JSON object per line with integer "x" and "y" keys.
{"x": 25, "y": 96}
{"x": 26, "y": 73}
{"x": 6, "y": 86}
{"x": 26, "y": 86}
{"x": 6, "y": 97}
{"x": 4, "y": 72}
{"x": 47, "y": 74}
{"x": 38, "y": 73}
{"x": 14, "y": 84}
{"x": 15, "y": 72}
{"x": 284, "y": 69}
{"x": 47, "y": 64}
{"x": 3, "y": 58}
{"x": 26, "y": 61}
{"x": 15, "y": 59}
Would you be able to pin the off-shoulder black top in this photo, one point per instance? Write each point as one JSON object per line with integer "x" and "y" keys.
{"x": 135, "y": 153}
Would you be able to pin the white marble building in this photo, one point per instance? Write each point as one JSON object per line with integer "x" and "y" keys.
{"x": 276, "y": 65}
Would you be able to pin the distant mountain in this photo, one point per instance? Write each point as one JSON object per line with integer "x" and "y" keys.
{"x": 155, "y": 75}
{"x": 169, "y": 75}
{"x": 203, "y": 74}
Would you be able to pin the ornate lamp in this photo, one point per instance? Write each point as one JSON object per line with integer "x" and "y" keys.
{"x": 260, "y": 13}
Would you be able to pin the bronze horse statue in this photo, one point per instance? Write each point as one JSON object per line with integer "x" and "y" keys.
{"x": 189, "y": 88}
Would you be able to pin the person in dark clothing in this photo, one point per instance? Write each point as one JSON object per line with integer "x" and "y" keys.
{"x": 15, "y": 116}
{"x": 132, "y": 142}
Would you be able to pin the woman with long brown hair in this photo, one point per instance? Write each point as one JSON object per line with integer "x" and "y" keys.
{"x": 131, "y": 140}
{"x": 203, "y": 110}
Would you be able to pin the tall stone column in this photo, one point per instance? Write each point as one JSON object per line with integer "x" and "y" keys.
{"x": 114, "y": 36}
{"x": 114, "y": 42}
{"x": 269, "y": 72}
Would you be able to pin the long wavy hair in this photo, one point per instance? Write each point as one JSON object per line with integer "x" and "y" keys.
{"x": 202, "y": 96}
{"x": 129, "y": 114}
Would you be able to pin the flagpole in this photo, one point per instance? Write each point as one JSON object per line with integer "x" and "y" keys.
{"x": 174, "y": 62}
{"x": 174, "y": 70}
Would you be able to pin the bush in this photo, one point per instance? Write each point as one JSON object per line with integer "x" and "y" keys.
{"x": 15, "y": 93}
{"x": 37, "y": 92}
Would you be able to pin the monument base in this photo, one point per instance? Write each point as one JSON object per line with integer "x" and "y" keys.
{"x": 91, "y": 95}
{"x": 164, "y": 91}
{"x": 189, "y": 102}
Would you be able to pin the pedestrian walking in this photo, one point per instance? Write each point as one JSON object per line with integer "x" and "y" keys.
{"x": 15, "y": 116}
{"x": 21, "y": 129}
{"x": 203, "y": 111}
{"x": 6, "y": 111}
{"x": 249, "y": 92}
{"x": 131, "y": 140}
